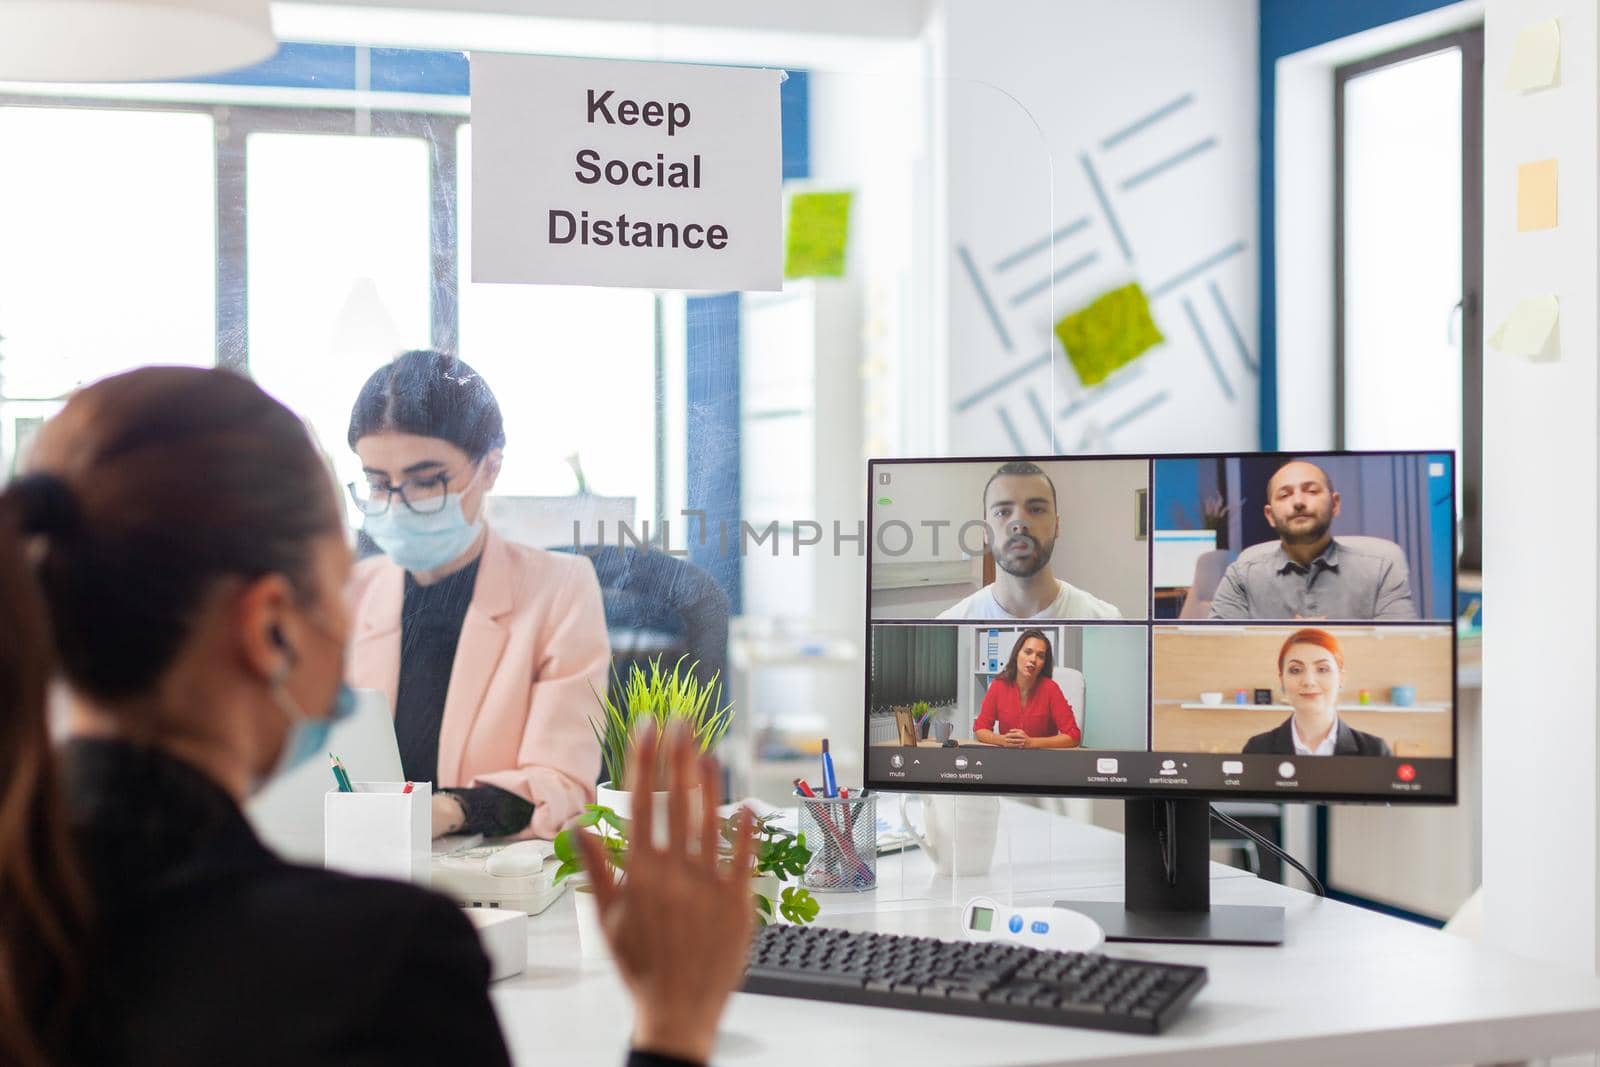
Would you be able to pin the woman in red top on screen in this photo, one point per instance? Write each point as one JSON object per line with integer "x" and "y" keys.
{"x": 1023, "y": 707}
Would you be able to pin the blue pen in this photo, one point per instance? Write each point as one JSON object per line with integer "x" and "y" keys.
{"x": 830, "y": 784}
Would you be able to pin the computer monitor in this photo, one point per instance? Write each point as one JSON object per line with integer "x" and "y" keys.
{"x": 1170, "y": 629}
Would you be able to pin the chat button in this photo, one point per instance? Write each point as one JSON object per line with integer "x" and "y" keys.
{"x": 1232, "y": 766}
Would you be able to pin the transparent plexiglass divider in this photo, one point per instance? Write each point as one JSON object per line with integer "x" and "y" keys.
{"x": 706, "y": 450}
{"x": 875, "y": 347}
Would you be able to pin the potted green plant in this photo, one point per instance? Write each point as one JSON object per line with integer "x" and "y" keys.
{"x": 922, "y": 716}
{"x": 614, "y": 836}
{"x": 780, "y": 856}
{"x": 1214, "y": 516}
{"x": 662, "y": 697}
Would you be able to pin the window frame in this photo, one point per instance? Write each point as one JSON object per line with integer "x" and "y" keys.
{"x": 234, "y": 124}
{"x": 1470, "y": 43}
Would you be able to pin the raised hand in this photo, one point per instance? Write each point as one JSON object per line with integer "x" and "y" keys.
{"x": 679, "y": 922}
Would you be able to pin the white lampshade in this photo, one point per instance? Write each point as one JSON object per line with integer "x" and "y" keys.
{"x": 130, "y": 40}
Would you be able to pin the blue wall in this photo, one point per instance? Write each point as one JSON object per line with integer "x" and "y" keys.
{"x": 1181, "y": 488}
{"x": 1441, "y": 525}
{"x": 714, "y": 455}
{"x": 1286, "y": 27}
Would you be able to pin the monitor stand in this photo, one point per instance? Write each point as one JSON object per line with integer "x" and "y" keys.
{"x": 1167, "y": 883}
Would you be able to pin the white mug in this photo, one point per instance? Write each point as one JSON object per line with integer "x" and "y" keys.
{"x": 961, "y": 832}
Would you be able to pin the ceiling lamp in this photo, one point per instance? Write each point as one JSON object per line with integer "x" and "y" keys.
{"x": 130, "y": 40}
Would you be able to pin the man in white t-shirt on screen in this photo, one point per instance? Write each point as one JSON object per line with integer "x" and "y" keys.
{"x": 1019, "y": 511}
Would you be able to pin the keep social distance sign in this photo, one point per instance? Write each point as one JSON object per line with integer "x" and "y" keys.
{"x": 652, "y": 175}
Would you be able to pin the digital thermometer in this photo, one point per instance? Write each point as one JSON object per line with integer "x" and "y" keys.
{"x": 1059, "y": 929}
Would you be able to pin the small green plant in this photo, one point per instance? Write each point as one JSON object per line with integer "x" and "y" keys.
{"x": 795, "y": 904}
{"x": 920, "y": 714}
{"x": 566, "y": 847}
{"x": 784, "y": 856}
{"x": 662, "y": 697}
{"x": 778, "y": 853}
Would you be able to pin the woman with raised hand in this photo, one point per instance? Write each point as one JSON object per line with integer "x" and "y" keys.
{"x": 176, "y": 556}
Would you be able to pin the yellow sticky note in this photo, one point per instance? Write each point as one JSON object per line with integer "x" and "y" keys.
{"x": 1531, "y": 330}
{"x": 1112, "y": 331}
{"x": 1536, "y": 58}
{"x": 819, "y": 233}
{"x": 1536, "y": 196}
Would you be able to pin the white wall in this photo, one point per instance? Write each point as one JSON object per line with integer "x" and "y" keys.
{"x": 1541, "y": 790}
{"x": 1099, "y": 544}
{"x": 1036, "y": 87}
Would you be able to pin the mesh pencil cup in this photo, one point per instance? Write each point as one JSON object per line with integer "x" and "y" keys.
{"x": 842, "y": 835}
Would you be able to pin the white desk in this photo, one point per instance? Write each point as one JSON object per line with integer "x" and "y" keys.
{"x": 1348, "y": 986}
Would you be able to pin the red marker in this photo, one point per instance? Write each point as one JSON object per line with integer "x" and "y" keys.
{"x": 407, "y": 789}
{"x": 840, "y": 837}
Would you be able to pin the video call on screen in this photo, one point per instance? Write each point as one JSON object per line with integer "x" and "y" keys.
{"x": 1256, "y": 624}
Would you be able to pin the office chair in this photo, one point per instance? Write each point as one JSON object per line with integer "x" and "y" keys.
{"x": 660, "y": 605}
{"x": 1208, "y": 571}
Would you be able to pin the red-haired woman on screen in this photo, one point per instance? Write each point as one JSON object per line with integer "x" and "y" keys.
{"x": 1311, "y": 671}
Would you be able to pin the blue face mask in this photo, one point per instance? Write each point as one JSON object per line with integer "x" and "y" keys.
{"x": 423, "y": 542}
{"x": 307, "y": 736}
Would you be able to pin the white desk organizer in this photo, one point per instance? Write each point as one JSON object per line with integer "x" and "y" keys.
{"x": 505, "y": 940}
{"x": 380, "y": 831}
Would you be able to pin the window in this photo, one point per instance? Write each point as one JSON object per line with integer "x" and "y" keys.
{"x": 112, "y": 263}
{"x": 337, "y": 269}
{"x": 304, "y": 246}
{"x": 1409, "y": 272}
{"x": 542, "y": 348}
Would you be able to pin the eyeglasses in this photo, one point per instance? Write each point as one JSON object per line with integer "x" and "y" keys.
{"x": 424, "y": 495}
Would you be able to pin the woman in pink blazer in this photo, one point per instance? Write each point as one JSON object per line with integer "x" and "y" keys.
{"x": 491, "y": 653}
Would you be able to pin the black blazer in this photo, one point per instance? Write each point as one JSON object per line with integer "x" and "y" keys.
{"x": 209, "y": 949}
{"x": 1279, "y": 741}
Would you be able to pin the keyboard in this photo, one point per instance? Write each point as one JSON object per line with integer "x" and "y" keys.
{"x": 989, "y": 979}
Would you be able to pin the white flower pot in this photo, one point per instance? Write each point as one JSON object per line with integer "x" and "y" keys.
{"x": 591, "y": 936}
{"x": 618, "y": 800}
{"x": 621, "y": 802}
{"x": 767, "y": 885}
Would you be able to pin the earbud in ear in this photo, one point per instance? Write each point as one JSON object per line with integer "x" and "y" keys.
{"x": 275, "y": 635}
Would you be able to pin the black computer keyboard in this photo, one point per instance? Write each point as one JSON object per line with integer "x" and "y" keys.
{"x": 991, "y": 979}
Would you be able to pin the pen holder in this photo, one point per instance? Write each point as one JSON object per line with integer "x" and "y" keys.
{"x": 843, "y": 838}
{"x": 380, "y": 831}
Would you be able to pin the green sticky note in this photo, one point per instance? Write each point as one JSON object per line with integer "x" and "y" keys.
{"x": 819, "y": 229}
{"x": 1111, "y": 332}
